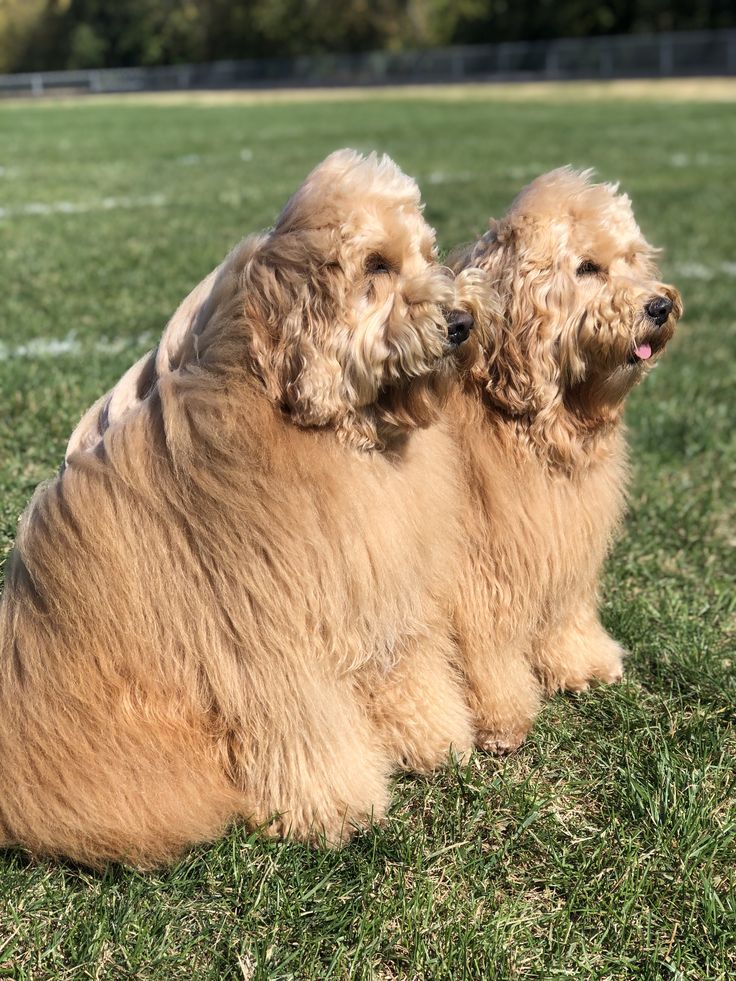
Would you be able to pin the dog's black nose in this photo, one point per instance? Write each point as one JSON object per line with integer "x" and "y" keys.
{"x": 659, "y": 309}
{"x": 459, "y": 325}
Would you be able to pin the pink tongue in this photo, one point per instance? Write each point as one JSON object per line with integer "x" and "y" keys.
{"x": 644, "y": 351}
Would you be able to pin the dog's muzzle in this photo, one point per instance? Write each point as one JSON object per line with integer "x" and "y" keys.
{"x": 658, "y": 309}
{"x": 459, "y": 325}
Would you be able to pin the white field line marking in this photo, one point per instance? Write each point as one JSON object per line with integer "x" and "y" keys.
{"x": 698, "y": 270}
{"x": 450, "y": 177}
{"x": 33, "y": 208}
{"x": 693, "y": 159}
{"x": 522, "y": 172}
{"x": 39, "y": 348}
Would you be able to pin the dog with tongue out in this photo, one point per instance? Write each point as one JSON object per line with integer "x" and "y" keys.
{"x": 538, "y": 420}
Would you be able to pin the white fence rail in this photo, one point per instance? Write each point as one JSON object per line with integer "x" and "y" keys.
{"x": 621, "y": 56}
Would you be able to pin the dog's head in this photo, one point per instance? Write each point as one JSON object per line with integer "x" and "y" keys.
{"x": 349, "y": 321}
{"x": 584, "y": 312}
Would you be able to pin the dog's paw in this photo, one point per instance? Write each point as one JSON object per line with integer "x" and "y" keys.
{"x": 605, "y": 669}
{"x": 432, "y": 754}
{"x": 423, "y": 762}
{"x": 499, "y": 743}
{"x": 581, "y": 660}
{"x": 322, "y": 830}
{"x": 613, "y": 673}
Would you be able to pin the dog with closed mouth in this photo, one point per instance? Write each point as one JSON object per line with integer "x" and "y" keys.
{"x": 538, "y": 422}
{"x": 231, "y": 603}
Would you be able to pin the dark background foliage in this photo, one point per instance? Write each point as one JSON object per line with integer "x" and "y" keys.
{"x": 57, "y": 34}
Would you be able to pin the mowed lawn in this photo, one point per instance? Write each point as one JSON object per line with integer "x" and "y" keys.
{"x": 605, "y": 847}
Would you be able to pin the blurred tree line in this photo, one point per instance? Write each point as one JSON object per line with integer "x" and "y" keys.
{"x": 48, "y": 34}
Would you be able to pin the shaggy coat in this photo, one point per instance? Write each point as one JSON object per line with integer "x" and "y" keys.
{"x": 538, "y": 425}
{"x": 230, "y": 603}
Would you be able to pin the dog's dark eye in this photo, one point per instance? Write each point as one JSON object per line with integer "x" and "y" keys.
{"x": 588, "y": 268}
{"x": 377, "y": 265}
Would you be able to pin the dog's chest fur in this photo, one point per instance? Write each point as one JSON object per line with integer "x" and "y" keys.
{"x": 349, "y": 552}
{"x": 536, "y": 535}
{"x": 389, "y": 530}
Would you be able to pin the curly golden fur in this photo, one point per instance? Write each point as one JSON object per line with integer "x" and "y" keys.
{"x": 230, "y": 605}
{"x": 538, "y": 423}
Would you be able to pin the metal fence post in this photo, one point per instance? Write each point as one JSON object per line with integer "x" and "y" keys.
{"x": 37, "y": 84}
{"x": 666, "y": 59}
{"x": 731, "y": 52}
{"x": 605, "y": 60}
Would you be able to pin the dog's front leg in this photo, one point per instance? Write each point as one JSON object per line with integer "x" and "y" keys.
{"x": 419, "y": 707}
{"x": 577, "y": 651}
{"x": 307, "y": 762}
{"x": 502, "y": 690}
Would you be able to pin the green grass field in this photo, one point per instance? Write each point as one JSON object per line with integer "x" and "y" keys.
{"x": 606, "y": 847}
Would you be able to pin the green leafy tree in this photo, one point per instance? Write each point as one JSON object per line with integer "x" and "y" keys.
{"x": 36, "y": 34}
{"x": 87, "y": 49}
{"x": 19, "y": 21}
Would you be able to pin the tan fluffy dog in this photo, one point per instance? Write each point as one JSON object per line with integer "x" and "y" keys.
{"x": 540, "y": 432}
{"x": 230, "y": 606}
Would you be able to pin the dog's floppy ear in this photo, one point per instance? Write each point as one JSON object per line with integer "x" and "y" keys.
{"x": 505, "y": 363}
{"x": 521, "y": 371}
{"x": 292, "y": 310}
